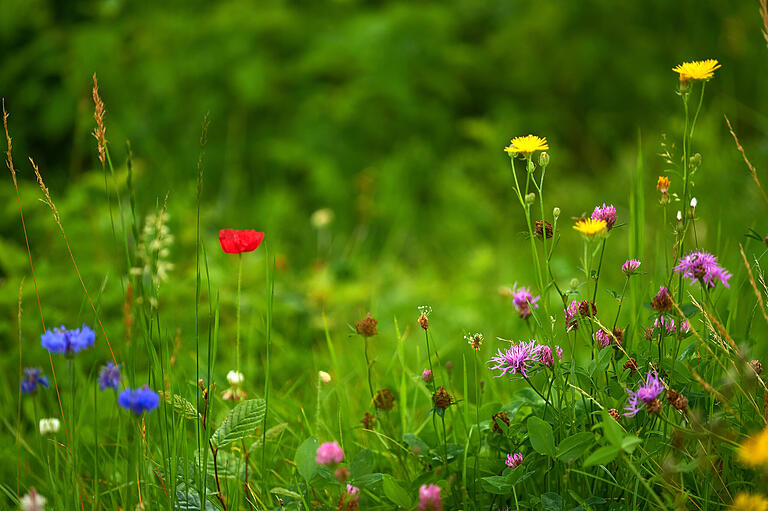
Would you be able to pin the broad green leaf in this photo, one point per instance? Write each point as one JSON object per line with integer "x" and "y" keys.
{"x": 551, "y": 502}
{"x": 575, "y": 446}
{"x": 613, "y": 432}
{"x": 367, "y": 480}
{"x": 362, "y": 464}
{"x": 273, "y": 434}
{"x": 240, "y": 422}
{"x": 602, "y": 456}
{"x": 395, "y": 492}
{"x": 540, "y": 434}
{"x": 305, "y": 458}
{"x": 180, "y": 405}
{"x": 629, "y": 443}
{"x": 498, "y": 485}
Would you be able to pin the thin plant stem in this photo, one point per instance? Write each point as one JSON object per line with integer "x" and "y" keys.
{"x": 237, "y": 334}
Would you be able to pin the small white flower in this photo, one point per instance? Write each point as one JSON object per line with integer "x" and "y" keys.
{"x": 324, "y": 377}
{"x": 48, "y": 426}
{"x": 694, "y": 202}
{"x": 679, "y": 216}
{"x": 32, "y": 501}
{"x": 235, "y": 378}
{"x": 322, "y": 218}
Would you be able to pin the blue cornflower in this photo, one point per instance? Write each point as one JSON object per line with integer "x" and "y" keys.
{"x": 66, "y": 342}
{"x": 139, "y": 400}
{"x": 109, "y": 377}
{"x": 33, "y": 377}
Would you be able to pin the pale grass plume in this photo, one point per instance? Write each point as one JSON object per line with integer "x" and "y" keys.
{"x": 99, "y": 132}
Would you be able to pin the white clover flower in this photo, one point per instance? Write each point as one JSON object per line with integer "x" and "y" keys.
{"x": 235, "y": 378}
{"x": 694, "y": 202}
{"x": 48, "y": 426}
{"x": 679, "y": 216}
{"x": 324, "y": 377}
{"x": 32, "y": 501}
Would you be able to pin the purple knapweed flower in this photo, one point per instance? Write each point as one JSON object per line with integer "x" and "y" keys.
{"x": 33, "y": 377}
{"x": 524, "y": 300}
{"x": 515, "y": 359}
{"x": 140, "y": 400}
{"x": 429, "y": 498}
{"x": 702, "y": 266}
{"x": 605, "y": 213}
{"x": 571, "y": 312}
{"x": 647, "y": 391}
{"x": 109, "y": 376}
{"x": 67, "y": 342}
{"x": 630, "y": 267}
{"x": 514, "y": 460}
{"x": 426, "y": 375}
{"x": 602, "y": 338}
{"x": 329, "y": 453}
{"x": 665, "y": 323}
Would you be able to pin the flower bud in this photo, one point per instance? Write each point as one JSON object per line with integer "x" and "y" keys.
{"x": 543, "y": 159}
{"x": 530, "y": 165}
{"x": 574, "y": 283}
{"x": 556, "y": 212}
{"x": 324, "y": 377}
{"x": 530, "y": 198}
{"x": 235, "y": 378}
{"x": 696, "y": 160}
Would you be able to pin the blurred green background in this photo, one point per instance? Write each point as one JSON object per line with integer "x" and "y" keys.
{"x": 393, "y": 116}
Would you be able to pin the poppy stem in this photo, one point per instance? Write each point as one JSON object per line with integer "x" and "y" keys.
{"x": 237, "y": 335}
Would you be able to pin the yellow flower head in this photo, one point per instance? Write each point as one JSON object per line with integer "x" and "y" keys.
{"x": 754, "y": 451}
{"x": 662, "y": 184}
{"x": 590, "y": 227}
{"x": 749, "y": 502}
{"x": 696, "y": 70}
{"x": 527, "y": 145}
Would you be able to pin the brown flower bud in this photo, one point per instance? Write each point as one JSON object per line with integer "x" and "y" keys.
{"x": 442, "y": 399}
{"x": 631, "y": 364}
{"x": 384, "y": 399}
{"x": 424, "y": 321}
{"x": 367, "y": 326}
{"x": 369, "y": 421}
{"x": 498, "y": 418}
{"x": 613, "y": 412}
{"x": 587, "y": 309}
{"x": 618, "y": 333}
{"x": 757, "y": 366}
{"x": 677, "y": 400}
{"x": 662, "y": 302}
{"x": 653, "y": 406}
{"x": 543, "y": 228}
{"x": 342, "y": 474}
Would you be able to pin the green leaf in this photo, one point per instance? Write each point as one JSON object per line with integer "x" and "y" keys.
{"x": 602, "y": 456}
{"x": 551, "y": 502}
{"x": 285, "y": 493}
{"x": 629, "y": 443}
{"x": 272, "y": 434}
{"x": 180, "y": 405}
{"x": 362, "y": 464}
{"x": 240, "y": 422}
{"x": 367, "y": 480}
{"x": 575, "y": 446}
{"x": 395, "y": 492}
{"x": 305, "y": 458}
{"x": 540, "y": 434}
{"x": 498, "y": 485}
{"x": 613, "y": 432}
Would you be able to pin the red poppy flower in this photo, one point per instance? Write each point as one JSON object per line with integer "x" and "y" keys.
{"x": 236, "y": 242}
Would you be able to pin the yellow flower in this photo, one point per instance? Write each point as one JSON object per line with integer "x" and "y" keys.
{"x": 527, "y": 145}
{"x": 748, "y": 502}
{"x": 697, "y": 70}
{"x": 662, "y": 184}
{"x": 754, "y": 451}
{"x": 590, "y": 227}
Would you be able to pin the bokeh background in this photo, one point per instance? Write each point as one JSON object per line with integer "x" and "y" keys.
{"x": 392, "y": 116}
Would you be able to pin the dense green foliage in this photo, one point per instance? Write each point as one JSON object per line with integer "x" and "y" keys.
{"x": 393, "y": 116}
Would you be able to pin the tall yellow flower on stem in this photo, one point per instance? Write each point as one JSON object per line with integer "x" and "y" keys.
{"x": 697, "y": 70}
{"x": 590, "y": 228}
{"x": 527, "y": 145}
